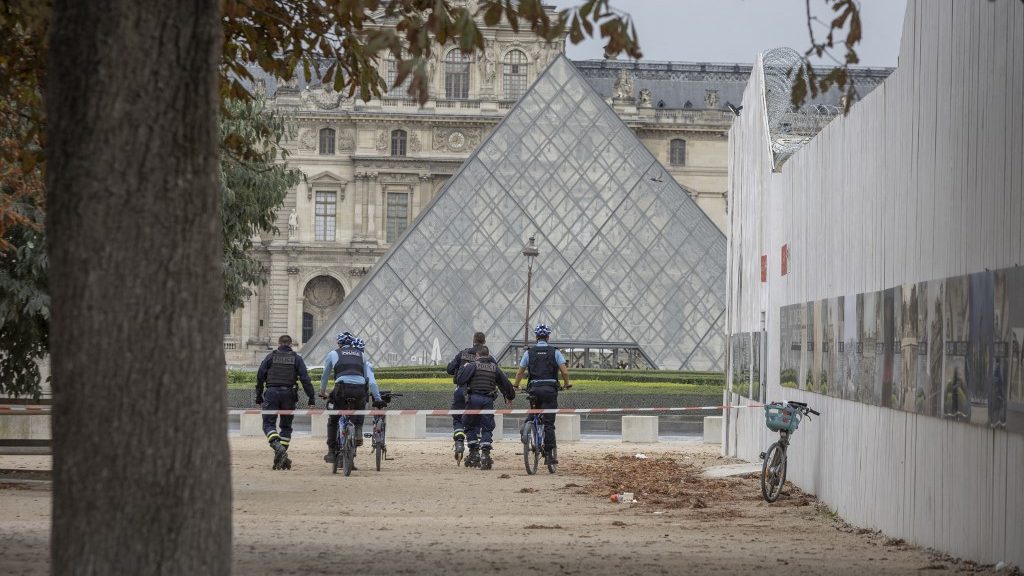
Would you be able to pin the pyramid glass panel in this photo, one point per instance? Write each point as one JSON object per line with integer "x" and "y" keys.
{"x": 627, "y": 258}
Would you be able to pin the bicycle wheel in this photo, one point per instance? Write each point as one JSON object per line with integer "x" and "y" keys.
{"x": 531, "y": 452}
{"x": 378, "y": 454}
{"x": 552, "y": 468}
{"x": 773, "y": 472}
{"x": 337, "y": 452}
{"x": 348, "y": 453}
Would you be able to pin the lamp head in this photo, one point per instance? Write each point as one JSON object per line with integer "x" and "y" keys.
{"x": 530, "y": 250}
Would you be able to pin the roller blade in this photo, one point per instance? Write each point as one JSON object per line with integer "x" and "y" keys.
{"x": 473, "y": 460}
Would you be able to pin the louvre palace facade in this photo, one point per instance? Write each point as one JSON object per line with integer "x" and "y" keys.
{"x": 372, "y": 167}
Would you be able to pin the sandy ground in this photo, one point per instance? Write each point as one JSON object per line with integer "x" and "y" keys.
{"x": 423, "y": 515}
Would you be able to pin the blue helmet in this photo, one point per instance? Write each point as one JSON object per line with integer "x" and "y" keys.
{"x": 345, "y": 339}
{"x": 542, "y": 330}
{"x": 358, "y": 344}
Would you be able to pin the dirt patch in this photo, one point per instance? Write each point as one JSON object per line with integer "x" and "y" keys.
{"x": 432, "y": 516}
{"x": 669, "y": 481}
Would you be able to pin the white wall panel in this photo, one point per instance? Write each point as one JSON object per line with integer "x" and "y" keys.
{"x": 924, "y": 179}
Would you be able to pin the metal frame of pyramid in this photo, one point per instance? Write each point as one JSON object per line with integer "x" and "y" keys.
{"x": 626, "y": 254}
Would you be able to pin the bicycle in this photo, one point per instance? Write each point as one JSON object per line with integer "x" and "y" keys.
{"x": 784, "y": 419}
{"x": 379, "y": 435}
{"x": 532, "y": 436}
{"x": 346, "y": 455}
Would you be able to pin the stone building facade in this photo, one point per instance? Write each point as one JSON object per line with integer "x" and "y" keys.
{"x": 371, "y": 167}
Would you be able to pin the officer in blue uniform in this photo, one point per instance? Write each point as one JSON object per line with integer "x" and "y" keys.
{"x": 352, "y": 375}
{"x": 459, "y": 398}
{"x": 545, "y": 362}
{"x": 481, "y": 379}
{"x": 278, "y": 372}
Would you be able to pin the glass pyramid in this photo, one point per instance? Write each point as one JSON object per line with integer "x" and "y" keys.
{"x": 625, "y": 254}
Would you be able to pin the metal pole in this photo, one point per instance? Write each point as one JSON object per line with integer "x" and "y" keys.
{"x": 526, "y": 327}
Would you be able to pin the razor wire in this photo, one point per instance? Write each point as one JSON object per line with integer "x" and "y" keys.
{"x": 789, "y": 128}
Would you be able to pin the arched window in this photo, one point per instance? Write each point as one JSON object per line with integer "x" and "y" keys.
{"x": 400, "y": 91}
{"x": 677, "y": 155}
{"x": 456, "y": 75}
{"x": 327, "y": 142}
{"x": 398, "y": 138}
{"x": 514, "y": 74}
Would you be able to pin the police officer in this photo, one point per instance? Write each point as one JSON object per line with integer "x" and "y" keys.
{"x": 481, "y": 380}
{"x": 459, "y": 398}
{"x": 279, "y": 371}
{"x": 545, "y": 362}
{"x": 352, "y": 375}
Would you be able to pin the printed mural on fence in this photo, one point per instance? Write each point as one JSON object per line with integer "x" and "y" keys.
{"x": 949, "y": 348}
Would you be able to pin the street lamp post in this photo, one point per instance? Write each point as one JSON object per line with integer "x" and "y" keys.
{"x": 531, "y": 252}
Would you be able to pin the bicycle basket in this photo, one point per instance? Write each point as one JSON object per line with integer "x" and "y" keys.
{"x": 781, "y": 417}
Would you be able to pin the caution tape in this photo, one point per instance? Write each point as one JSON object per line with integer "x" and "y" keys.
{"x": 24, "y": 409}
{"x": 32, "y": 410}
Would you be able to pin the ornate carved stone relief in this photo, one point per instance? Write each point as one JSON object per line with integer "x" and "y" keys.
{"x": 322, "y": 98}
{"x": 323, "y": 293}
{"x": 455, "y": 139}
{"x": 308, "y": 139}
{"x": 346, "y": 140}
{"x": 414, "y": 141}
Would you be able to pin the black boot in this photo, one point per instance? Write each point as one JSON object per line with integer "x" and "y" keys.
{"x": 332, "y": 453}
{"x": 473, "y": 460}
{"x": 280, "y": 453}
{"x": 485, "y": 460}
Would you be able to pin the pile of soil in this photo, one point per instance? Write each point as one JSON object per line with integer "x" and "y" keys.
{"x": 674, "y": 482}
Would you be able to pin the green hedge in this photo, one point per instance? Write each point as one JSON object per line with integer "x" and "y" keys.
{"x": 615, "y": 379}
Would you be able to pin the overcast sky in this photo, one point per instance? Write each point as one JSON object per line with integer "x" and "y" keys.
{"x": 736, "y": 30}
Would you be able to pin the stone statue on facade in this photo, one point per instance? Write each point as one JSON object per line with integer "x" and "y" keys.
{"x": 645, "y": 98}
{"x": 293, "y": 225}
{"x": 623, "y": 89}
{"x": 711, "y": 99}
{"x": 489, "y": 63}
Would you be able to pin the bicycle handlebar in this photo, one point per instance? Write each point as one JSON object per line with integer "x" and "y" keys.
{"x": 803, "y": 407}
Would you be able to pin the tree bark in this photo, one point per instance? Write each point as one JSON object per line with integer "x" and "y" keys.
{"x": 141, "y": 464}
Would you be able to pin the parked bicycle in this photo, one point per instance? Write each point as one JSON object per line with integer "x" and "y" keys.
{"x": 379, "y": 435}
{"x": 532, "y": 435}
{"x": 784, "y": 419}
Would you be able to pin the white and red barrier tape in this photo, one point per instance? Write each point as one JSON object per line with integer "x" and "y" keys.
{"x": 31, "y": 410}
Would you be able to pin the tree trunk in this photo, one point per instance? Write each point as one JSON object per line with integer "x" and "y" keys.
{"x": 141, "y": 465}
